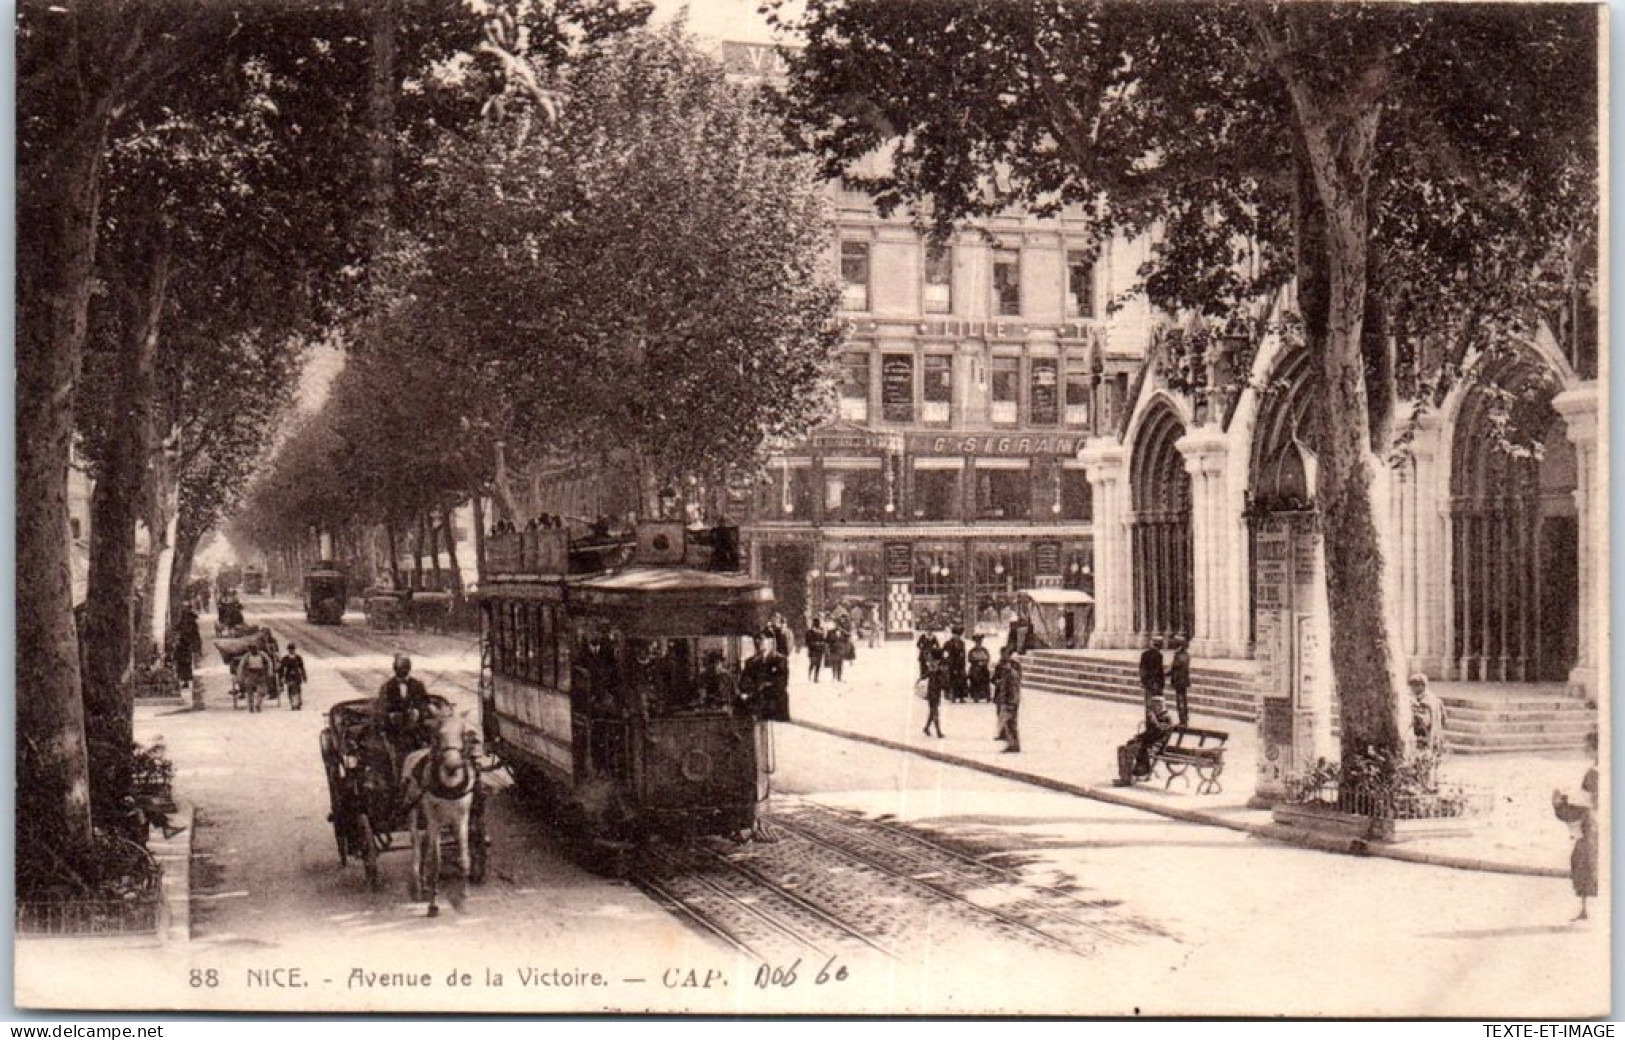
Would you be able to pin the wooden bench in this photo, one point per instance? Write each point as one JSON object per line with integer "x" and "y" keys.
{"x": 1188, "y": 748}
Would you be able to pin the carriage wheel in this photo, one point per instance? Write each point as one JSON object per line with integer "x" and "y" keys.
{"x": 335, "y": 784}
{"x": 369, "y": 849}
{"x": 478, "y": 850}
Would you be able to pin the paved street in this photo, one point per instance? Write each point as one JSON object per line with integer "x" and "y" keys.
{"x": 1208, "y": 920}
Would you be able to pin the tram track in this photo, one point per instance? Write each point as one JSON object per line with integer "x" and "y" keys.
{"x": 1039, "y": 909}
{"x": 746, "y": 909}
{"x": 836, "y": 884}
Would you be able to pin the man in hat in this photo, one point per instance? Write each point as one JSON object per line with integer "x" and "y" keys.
{"x": 1134, "y": 757}
{"x": 1179, "y": 677}
{"x": 953, "y": 655}
{"x": 403, "y": 705}
{"x": 1007, "y": 697}
{"x": 291, "y": 670}
{"x": 765, "y": 682}
{"x": 1151, "y": 674}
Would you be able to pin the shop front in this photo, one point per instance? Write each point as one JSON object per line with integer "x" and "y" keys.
{"x": 904, "y": 580}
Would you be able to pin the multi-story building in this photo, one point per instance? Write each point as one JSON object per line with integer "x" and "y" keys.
{"x": 1009, "y": 418}
{"x": 973, "y": 375}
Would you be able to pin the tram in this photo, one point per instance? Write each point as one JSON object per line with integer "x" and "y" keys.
{"x": 326, "y": 594}
{"x": 610, "y": 679}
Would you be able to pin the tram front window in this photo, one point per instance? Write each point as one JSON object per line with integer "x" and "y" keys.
{"x": 672, "y": 676}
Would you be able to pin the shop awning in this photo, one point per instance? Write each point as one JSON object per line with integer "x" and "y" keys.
{"x": 1059, "y": 596}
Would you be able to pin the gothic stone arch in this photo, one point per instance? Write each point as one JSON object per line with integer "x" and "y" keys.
{"x": 1160, "y": 488}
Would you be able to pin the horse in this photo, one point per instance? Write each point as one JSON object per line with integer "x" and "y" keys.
{"x": 438, "y": 783}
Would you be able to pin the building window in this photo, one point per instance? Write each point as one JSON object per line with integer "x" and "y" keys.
{"x": 854, "y": 491}
{"x": 999, "y": 572}
{"x": 939, "y": 388}
{"x": 852, "y": 577}
{"x": 937, "y": 571}
{"x": 74, "y": 528}
{"x": 786, "y": 492}
{"x": 1004, "y": 494}
{"x": 855, "y": 386}
{"x": 1080, "y": 284}
{"x": 1006, "y": 281}
{"x": 1078, "y": 382}
{"x": 1077, "y": 500}
{"x": 939, "y": 280}
{"x": 937, "y": 493}
{"x": 897, "y": 388}
{"x": 1078, "y": 567}
{"x": 1044, "y": 392}
{"x": 1006, "y": 390}
{"x": 855, "y": 276}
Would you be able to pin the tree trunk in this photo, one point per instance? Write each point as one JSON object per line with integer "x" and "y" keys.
{"x": 56, "y": 250}
{"x": 180, "y": 575}
{"x": 434, "y": 553}
{"x": 394, "y": 559}
{"x": 479, "y": 539}
{"x": 1340, "y": 158}
{"x": 451, "y": 552}
{"x": 111, "y": 632}
{"x": 417, "y": 554}
{"x": 504, "y": 490}
{"x": 381, "y": 117}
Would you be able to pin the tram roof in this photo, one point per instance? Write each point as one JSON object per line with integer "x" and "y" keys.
{"x": 655, "y": 600}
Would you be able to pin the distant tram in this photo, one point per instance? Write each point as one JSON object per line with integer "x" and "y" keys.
{"x": 610, "y": 679}
{"x": 253, "y": 580}
{"x": 326, "y": 594}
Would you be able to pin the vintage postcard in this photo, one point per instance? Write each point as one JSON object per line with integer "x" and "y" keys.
{"x": 826, "y": 507}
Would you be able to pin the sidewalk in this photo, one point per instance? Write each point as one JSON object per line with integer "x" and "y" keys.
{"x": 1069, "y": 744}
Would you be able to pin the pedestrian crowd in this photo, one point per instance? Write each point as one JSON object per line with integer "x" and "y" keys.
{"x": 832, "y": 641}
{"x": 952, "y": 671}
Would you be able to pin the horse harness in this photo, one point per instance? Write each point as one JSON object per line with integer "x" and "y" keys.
{"x": 447, "y": 783}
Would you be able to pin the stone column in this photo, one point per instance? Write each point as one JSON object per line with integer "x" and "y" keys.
{"x": 1578, "y": 408}
{"x": 1219, "y": 541}
{"x": 1428, "y": 556}
{"x": 1107, "y": 468}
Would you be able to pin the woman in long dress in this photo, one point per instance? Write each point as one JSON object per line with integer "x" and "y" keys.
{"x": 1583, "y": 860}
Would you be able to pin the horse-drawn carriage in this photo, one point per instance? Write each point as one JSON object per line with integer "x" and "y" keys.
{"x": 233, "y": 646}
{"x": 424, "y": 610}
{"x": 378, "y": 787}
{"x": 386, "y": 609}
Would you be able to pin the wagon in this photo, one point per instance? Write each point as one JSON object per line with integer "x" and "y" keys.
{"x": 386, "y": 609}
{"x": 231, "y": 650}
{"x": 363, "y": 785}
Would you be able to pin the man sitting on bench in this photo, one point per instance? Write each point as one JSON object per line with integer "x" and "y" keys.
{"x": 1134, "y": 757}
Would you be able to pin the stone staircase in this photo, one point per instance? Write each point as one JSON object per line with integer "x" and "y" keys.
{"x": 1480, "y": 718}
{"x": 1488, "y": 717}
{"x": 1227, "y": 690}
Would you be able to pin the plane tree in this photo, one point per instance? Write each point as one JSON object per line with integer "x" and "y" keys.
{"x": 1411, "y": 171}
{"x": 645, "y": 277}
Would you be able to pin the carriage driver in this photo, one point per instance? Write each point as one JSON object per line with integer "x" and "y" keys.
{"x": 403, "y": 704}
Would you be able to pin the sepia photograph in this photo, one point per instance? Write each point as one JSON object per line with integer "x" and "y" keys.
{"x": 1038, "y": 508}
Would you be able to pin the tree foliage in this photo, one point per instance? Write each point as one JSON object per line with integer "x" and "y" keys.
{"x": 648, "y": 275}
{"x": 1412, "y": 171}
